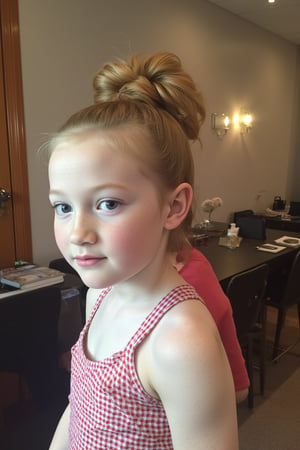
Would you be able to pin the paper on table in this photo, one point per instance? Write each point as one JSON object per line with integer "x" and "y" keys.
{"x": 270, "y": 248}
{"x": 288, "y": 241}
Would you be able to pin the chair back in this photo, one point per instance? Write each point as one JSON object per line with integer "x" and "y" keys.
{"x": 294, "y": 210}
{"x": 243, "y": 213}
{"x": 283, "y": 288}
{"x": 252, "y": 226}
{"x": 246, "y": 292}
{"x": 291, "y": 294}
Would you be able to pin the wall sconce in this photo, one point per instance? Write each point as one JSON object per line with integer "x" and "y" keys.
{"x": 220, "y": 123}
{"x": 244, "y": 121}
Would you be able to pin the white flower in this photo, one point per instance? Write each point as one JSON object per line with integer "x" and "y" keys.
{"x": 217, "y": 201}
{"x": 210, "y": 204}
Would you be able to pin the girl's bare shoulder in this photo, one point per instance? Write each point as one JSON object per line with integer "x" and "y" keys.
{"x": 184, "y": 331}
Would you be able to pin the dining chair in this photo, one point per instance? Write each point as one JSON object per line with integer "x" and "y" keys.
{"x": 243, "y": 213}
{"x": 246, "y": 295}
{"x": 294, "y": 209}
{"x": 251, "y": 226}
{"x": 282, "y": 293}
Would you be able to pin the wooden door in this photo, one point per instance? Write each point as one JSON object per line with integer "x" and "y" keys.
{"x": 15, "y": 230}
{"x": 7, "y": 240}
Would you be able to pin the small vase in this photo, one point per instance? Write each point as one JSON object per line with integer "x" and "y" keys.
{"x": 208, "y": 223}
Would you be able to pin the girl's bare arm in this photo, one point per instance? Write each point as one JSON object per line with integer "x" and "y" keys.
{"x": 60, "y": 440}
{"x": 192, "y": 377}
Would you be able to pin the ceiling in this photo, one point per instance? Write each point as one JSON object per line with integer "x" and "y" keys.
{"x": 281, "y": 17}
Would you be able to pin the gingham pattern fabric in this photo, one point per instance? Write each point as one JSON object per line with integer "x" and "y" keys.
{"x": 109, "y": 407}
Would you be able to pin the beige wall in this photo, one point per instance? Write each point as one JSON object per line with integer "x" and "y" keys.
{"x": 293, "y": 179}
{"x": 235, "y": 63}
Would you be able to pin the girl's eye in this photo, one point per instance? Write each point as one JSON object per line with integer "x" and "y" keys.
{"x": 62, "y": 208}
{"x": 109, "y": 205}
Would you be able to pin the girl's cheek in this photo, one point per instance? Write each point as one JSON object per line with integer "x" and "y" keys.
{"x": 60, "y": 236}
{"x": 122, "y": 236}
{"x": 128, "y": 241}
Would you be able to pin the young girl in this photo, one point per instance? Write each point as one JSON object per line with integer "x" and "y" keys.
{"x": 149, "y": 370}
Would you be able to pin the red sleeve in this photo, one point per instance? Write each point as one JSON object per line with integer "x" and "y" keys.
{"x": 199, "y": 273}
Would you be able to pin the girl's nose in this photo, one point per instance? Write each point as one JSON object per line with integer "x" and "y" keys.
{"x": 83, "y": 231}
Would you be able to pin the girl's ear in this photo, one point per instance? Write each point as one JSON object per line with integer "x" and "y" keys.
{"x": 179, "y": 204}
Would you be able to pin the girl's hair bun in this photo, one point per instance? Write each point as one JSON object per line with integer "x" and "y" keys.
{"x": 159, "y": 81}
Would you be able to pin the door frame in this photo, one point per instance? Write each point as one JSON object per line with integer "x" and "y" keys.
{"x": 13, "y": 89}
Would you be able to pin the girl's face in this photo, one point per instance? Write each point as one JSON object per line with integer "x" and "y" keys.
{"x": 109, "y": 218}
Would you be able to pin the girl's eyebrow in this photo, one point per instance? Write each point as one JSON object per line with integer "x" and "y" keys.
{"x": 99, "y": 187}
{"x": 109, "y": 186}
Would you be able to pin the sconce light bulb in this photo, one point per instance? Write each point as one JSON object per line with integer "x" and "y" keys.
{"x": 247, "y": 120}
{"x": 226, "y": 122}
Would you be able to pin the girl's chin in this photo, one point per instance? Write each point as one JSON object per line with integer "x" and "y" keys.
{"x": 93, "y": 283}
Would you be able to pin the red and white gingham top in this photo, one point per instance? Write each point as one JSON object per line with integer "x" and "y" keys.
{"x": 109, "y": 407}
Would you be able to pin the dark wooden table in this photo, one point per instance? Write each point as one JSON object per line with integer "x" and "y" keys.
{"x": 227, "y": 263}
{"x": 29, "y": 336}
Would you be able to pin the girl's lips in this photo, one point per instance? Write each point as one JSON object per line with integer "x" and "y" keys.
{"x": 88, "y": 262}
